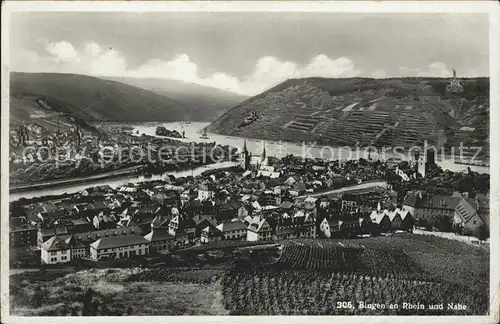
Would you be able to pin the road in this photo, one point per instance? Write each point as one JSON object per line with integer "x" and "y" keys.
{"x": 21, "y": 270}
{"x": 365, "y": 185}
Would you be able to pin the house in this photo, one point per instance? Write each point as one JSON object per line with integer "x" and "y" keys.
{"x": 381, "y": 218}
{"x": 167, "y": 198}
{"x": 160, "y": 241}
{"x": 242, "y": 212}
{"x": 206, "y": 191}
{"x": 285, "y": 233}
{"x": 103, "y": 189}
{"x": 268, "y": 172}
{"x": 161, "y": 221}
{"x": 119, "y": 247}
{"x": 286, "y": 205}
{"x": 251, "y": 219}
{"x": 461, "y": 211}
{"x": 269, "y": 199}
{"x": 22, "y": 234}
{"x": 407, "y": 222}
{"x": 301, "y": 222}
{"x": 235, "y": 230}
{"x": 351, "y": 227}
{"x": 330, "y": 227}
{"x": 45, "y": 233}
{"x": 79, "y": 243}
{"x": 227, "y": 211}
{"x": 49, "y": 217}
{"x": 483, "y": 207}
{"x": 102, "y": 221}
{"x": 259, "y": 231}
{"x": 210, "y": 234}
{"x": 56, "y": 250}
{"x": 349, "y": 202}
{"x": 76, "y": 225}
{"x": 290, "y": 181}
{"x": 392, "y": 163}
{"x": 299, "y": 187}
{"x": 183, "y": 228}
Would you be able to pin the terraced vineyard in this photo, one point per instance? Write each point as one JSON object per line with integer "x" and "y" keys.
{"x": 403, "y": 112}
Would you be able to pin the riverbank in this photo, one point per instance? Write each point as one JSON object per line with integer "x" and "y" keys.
{"x": 64, "y": 182}
{"x": 114, "y": 181}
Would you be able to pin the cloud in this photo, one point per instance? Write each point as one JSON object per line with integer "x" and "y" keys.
{"x": 270, "y": 71}
{"x": 94, "y": 59}
{"x": 435, "y": 69}
{"x": 97, "y": 60}
{"x": 62, "y": 51}
{"x": 379, "y": 74}
{"x": 93, "y": 49}
{"x": 108, "y": 63}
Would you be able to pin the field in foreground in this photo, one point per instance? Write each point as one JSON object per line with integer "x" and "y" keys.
{"x": 300, "y": 277}
{"x": 108, "y": 293}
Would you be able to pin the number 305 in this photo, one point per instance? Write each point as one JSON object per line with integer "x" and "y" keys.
{"x": 344, "y": 304}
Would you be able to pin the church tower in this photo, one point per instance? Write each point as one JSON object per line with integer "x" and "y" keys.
{"x": 78, "y": 138}
{"x": 263, "y": 159}
{"x": 420, "y": 162}
{"x": 245, "y": 157}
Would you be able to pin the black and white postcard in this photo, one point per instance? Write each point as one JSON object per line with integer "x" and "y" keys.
{"x": 196, "y": 161}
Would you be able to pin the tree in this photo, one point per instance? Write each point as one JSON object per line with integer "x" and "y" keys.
{"x": 87, "y": 302}
{"x": 444, "y": 224}
{"x": 482, "y": 233}
{"x": 36, "y": 300}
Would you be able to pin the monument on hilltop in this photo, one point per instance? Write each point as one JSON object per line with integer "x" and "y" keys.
{"x": 455, "y": 84}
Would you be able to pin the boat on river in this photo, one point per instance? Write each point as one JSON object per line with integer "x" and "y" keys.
{"x": 204, "y": 136}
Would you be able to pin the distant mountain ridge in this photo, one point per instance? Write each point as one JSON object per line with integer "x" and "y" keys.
{"x": 204, "y": 103}
{"x": 363, "y": 111}
{"x": 93, "y": 99}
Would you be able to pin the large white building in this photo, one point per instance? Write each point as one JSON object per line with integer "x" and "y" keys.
{"x": 259, "y": 231}
{"x": 55, "y": 250}
{"x": 119, "y": 247}
{"x": 235, "y": 230}
{"x": 160, "y": 240}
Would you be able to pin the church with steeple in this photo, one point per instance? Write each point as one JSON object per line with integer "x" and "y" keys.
{"x": 249, "y": 161}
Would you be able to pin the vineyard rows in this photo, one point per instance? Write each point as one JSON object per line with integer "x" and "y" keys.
{"x": 336, "y": 258}
{"x": 271, "y": 291}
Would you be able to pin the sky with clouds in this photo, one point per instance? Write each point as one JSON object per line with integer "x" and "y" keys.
{"x": 249, "y": 52}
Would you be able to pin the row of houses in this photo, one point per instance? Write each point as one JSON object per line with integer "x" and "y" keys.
{"x": 105, "y": 244}
{"x": 182, "y": 230}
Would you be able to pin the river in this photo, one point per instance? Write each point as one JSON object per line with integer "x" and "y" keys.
{"x": 281, "y": 149}
{"x": 193, "y": 133}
